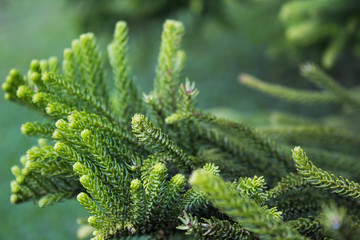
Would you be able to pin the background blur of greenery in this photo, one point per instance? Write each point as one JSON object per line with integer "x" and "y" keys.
{"x": 223, "y": 39}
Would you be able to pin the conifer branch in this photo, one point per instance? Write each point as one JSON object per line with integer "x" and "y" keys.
{"x": 31, "y": 186}
{"x": 212, "y": 228}
{"x": 139, "y": 212}
{"x": 149, "y": 135}
{"x": 132, "y": 179}
{"x": 336, "y": 138}
{"x": 286, "y": 93}
{"x": 253, "y": 188}
{"x": 323, "y": 179}
{"x": 47, "y": 162}
{"x": 80, "y": 120}
{"x": 226, "y": 162}
{"x": 306, "y": 225}
{"x": 287, "y": 184}
{"x": 126, "y": 101}
{"x": 170, "y": 63}
{"x": 239, "y": 207}
{"x": 12, "y": 82}
{"x": 90, "y": 66}
{"x": 322, "y": 80}
{"x": 59, "y": 85}
{"x": 38, "y": 129}
{"x": 102, "y": 195}
{"x": 230, "y": 127}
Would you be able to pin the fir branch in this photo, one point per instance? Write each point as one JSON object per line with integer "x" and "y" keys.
{"x": 54, "y": 198}
{"x": 286, "y": 93}
{"x": 240, "y": 208}
{"x": 155, "y": 186}
{"x": 102, "y": 195}
{"x": 69, "y": 153}
{"x": 42, "y": 66}
{"x": 43, "y": 99}
{"x": 126, "y": 101}
{"x": 81, "y": 120}
{"x": 323, "y": 179}
{"x": 187, "y": 102}
{"x": 194, "y": 201}
{"x": 338, "y": 138}
{"x": 12, "y": 82}
{"x": 47, "y": 162}
{"x": 25, "y": 95}
{"x": 92, "y": 208}
{"x": 83, "y": 100}
{"x": 287, "y": 184}
{"x": 131, "y": 185}
{"x": 31, "y": 186}
{"x": 227, "y": 163}
{"x": 58, "y": 110}
{"x": 124, "y": 155}
{"x": 170, "y": 62}
{"x": 253, "y": 188}
{"x": 246, "y": 158}
{"x": 139, "y": 213}
{"x": 212, "y": 228}
{"x": 90, "y": 67}
{"x": 341, "y": 163}
{"x": 322, "y": 80}
{"x": 306, "y": 225}
{"x": 53, "y": 65}
{"x": 38, "y": 129}
{"x": 149, "y": 135}
{"x": 173, "y": 193}
{"x": 264, "y": 143}
{"x": 70, "y": 67}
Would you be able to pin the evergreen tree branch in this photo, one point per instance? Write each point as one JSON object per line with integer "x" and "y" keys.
{"x": 240, "y": 208}
{"x": 170, "y": 63}
{"x": 126, "y": 101}
{"x": 323, "y": 179}
{"x": 322, "y": 80}
{"x": 149, "y": 135}
{"x": 286, "y": 93}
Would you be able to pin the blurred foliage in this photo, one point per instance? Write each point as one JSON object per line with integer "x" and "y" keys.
{"x": 100, "y": 16}
{"x": 332, "y": 26}
{"x": 325, "y": 31}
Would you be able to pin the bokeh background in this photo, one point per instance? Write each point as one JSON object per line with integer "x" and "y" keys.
{"x": 224, "y": 38}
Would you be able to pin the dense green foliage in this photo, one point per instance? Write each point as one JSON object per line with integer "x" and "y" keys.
{"x": 130, "y": 172}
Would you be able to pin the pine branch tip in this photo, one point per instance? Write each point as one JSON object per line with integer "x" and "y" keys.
{"x": 14, "y": 199}
{"x": 136, "y": 184}
{"x": 243, "y": 78}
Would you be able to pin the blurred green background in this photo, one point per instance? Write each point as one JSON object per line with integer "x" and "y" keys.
{"x": 223, "y": 39}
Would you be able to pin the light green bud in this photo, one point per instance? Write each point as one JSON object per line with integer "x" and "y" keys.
{"x": 28, "y": 128}
{"x": 34, "y": 65}
{"x": 179, "y": 180}
{"x": 14, "y": 199}
{"x": 79, "y": 168}
{"x": 23, "y": 91}
{"x": 136, "y": 184}
{"x": 86, "y": 134}
{"x": 15, "y": 188}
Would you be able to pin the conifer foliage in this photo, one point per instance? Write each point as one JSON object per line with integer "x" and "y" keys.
{"x": 157, "y": 167}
